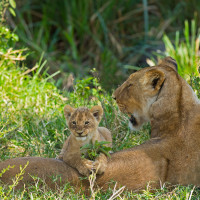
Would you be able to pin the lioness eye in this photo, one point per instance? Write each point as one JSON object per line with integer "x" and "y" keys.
{"x": 86, "y": 123}
{"x": 130, "y": 85}
{"x": 74, "y": 123}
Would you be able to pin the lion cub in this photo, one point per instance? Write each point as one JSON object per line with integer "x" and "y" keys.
{"x": 83, "y": 124}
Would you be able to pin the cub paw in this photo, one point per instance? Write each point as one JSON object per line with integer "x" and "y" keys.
{"x": 86, "y": 167}
{"x": 84, "y": 171}
{"x": 100, "y": 164}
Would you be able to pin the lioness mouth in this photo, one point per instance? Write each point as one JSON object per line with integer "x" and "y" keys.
{"x": 133, "y": 120}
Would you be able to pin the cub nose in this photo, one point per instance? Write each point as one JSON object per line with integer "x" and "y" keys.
{"x": 80, "y": 132}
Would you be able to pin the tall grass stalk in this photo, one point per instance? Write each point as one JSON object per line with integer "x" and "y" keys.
{"x": 146, "y": 19}
{"x": 185, "y": 52}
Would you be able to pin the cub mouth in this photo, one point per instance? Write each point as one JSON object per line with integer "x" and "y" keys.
{"x": 133, "y": 120}
{"x": 80, "y": 136}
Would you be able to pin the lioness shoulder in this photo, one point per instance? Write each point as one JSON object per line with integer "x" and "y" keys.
{"x": 83, "y": 124}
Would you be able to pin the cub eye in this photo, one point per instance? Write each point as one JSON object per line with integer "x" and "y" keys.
{"x": 86, "y": 123}
{"x": 74, "y": 123}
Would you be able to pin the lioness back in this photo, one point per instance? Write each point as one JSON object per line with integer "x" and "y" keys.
{"x": 83, "y": 124}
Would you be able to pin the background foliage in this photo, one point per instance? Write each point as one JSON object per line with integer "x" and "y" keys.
{"x": 77, "y": 36}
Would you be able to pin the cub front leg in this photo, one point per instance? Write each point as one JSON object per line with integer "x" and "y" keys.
{"x": 83, "y": 165}
{"x": 100, "y": 163}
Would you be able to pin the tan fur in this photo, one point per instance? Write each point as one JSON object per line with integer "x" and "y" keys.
{"x": 83, "y": 124}
{"x": 158, "y": 95}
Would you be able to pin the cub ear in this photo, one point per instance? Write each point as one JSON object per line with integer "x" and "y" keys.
{"x": 153, "y": 80}
{"x": 169, "y": 61}
{"x": 68, "y": 110}
{"x": 97, "y": 112}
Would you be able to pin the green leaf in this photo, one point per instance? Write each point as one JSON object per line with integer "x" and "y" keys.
{"x": 86, "y": 146}
{"x": 12, "y": 3}
{"x": 94, "y": 153}
{"x": 93, "y": 150}
{"x": 107, "y": 148}
{"x": 12, "y": 12}
{"x": 132, "y": 67}
{"x": 105, "y": 152}
{"x": 104, "y": 142}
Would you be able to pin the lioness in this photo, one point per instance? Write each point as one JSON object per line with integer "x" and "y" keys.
{"x": 83, "y": 124}
{"x": 157, "y": 95}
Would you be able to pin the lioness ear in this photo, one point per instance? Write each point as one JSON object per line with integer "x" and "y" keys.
{"x": 68, "y": 110}
{"x": 169, "y": 61}
{"x": 97, "y": 112}
{"x": 153, "y": 80}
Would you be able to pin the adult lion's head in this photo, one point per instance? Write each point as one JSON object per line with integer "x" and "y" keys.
{"x": 137, "y": 94}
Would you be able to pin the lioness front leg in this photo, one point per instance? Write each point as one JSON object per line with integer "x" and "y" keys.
{"x": 100, "y": 163}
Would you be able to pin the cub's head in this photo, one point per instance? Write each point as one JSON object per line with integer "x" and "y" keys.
{"x": 83, "y": 122}
{"x": 136, "y": 95}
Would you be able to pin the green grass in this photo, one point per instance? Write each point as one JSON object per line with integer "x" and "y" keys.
{"x": 32, "y": 124}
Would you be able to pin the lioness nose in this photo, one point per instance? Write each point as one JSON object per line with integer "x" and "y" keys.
{"x": 113, "y": 97}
